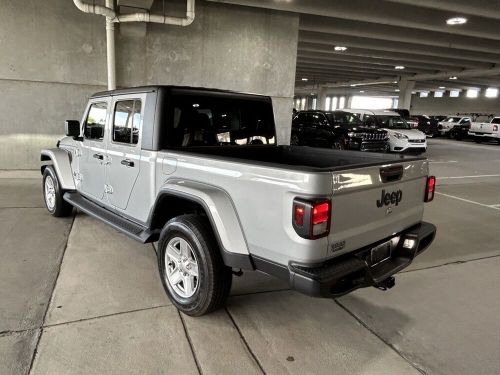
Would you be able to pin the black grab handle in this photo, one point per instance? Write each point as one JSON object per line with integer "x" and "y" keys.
{"x": 392, "y": 173}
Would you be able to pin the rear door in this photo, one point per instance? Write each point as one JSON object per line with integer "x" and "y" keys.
{"x": 93, "y": 149}
{"x": 124, "y": 148}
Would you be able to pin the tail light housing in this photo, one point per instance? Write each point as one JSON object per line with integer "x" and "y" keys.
{"x": 430, "y": 188}
{"x": 495, "y": 128}
{"x": 311, "y": 218}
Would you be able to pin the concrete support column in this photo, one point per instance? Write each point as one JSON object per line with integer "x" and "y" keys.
{"x": 348, "y": 102}
{"x": 405, "y": 89}
{"x": 321, "y": 98}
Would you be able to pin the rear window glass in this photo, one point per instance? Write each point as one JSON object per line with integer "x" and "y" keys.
{"x": 205, "y": 120}
{"x": 392, "y": 122}
{"x": 127, "y": 121}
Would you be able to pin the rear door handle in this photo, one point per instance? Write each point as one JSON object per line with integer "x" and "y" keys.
{"x": 99, "y": 156}
{"x": 127, "y": 162}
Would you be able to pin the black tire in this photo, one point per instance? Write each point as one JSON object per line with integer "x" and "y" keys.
{"x": 214, "y": 278}
{"x": 59, "y": 208}
{"x": 478, "y": 140}
{"x": 339, "y": 144}
{"x": 294, "y": 140}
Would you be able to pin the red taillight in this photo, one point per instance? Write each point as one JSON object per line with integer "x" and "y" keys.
{"x": 311, "y": 219}
{"x": 298, "y": 215}
{"x": 321, "y": 213}
{"x": 495, "y": 128}
{"x": 430, "y": 188}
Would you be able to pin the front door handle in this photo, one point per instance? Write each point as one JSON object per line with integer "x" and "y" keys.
{"x": 99, "y": 156}
{"x": 127, "y": 162}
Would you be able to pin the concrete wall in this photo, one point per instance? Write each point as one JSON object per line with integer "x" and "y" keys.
{"x": 447, "y": 105}
{"x": 53, "y": 57}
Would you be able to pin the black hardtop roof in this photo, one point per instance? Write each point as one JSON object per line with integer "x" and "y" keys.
{"x": 152, "y": 88}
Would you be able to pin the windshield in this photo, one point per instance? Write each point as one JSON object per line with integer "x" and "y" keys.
{"x": 453, "y": 119}
{"x": 211, "y": 120}
{"x": 392, "y": 122}
{"x": 343, "y": 119}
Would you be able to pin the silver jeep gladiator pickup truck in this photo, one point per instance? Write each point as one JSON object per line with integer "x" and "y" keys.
{"x": 199, "y": 171}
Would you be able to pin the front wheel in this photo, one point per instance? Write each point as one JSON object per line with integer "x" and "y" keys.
{"x": 192, "y": 271}
{"x": 53, "y": 194}
{"x": 339, "y": 144}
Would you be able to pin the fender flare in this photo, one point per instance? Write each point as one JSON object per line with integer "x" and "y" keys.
{"x": 222, "y": 214}
{"x": 60, "y": 160}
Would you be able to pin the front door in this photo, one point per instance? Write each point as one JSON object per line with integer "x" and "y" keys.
{"x": 93, "y": 149}
{"x": 124, "y": 148}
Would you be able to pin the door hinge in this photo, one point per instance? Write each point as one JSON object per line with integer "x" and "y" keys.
{"x": 108, "y": 189}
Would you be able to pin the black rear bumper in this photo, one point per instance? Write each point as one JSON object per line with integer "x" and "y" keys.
{"x": 349, "y": 272}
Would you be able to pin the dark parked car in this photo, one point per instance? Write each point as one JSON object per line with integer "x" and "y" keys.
{"x": 427, "y": 125}
{"x": 337, "y": 129}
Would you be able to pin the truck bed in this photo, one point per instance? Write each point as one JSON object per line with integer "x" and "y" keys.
{"x": 304, "y": 158}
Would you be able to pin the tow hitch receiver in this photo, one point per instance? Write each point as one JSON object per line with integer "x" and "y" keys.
{"x": 386, "y": 284}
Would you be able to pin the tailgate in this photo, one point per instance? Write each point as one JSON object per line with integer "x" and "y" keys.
{"x": 373, "y": 203}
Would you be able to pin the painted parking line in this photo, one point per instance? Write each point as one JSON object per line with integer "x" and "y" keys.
{"x": 494, "y": 206}
{"x": 473, "y": 176}
{"x": 442, "y": 162}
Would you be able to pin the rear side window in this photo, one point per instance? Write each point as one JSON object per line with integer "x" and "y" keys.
{"x": 127, "y": 121}
{"x": 496, "y": 120}
{"x": 96, "y": 121}
{"x": 205, "y": 120}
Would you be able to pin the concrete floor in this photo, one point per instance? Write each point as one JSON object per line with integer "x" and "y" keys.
{"x": 79, "y": 298}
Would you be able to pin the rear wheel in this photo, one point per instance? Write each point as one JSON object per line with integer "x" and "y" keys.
{"x": 53, "y": 194}
{"x": 294, "y": 140}
{"x": 192, "y": 271}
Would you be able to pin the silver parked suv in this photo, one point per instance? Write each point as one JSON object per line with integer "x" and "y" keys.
{"x": 199, "y": 171}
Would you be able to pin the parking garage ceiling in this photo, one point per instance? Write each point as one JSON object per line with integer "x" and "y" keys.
{"x": 379, "y": 36}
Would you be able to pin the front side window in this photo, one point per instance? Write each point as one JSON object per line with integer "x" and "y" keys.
{"x": 96, "y": 121}
{"x": 206, "y": 120}
{"x": 345, "y": 119}
{"x": 127, "y": 121}
{"x": 318, "y": 119}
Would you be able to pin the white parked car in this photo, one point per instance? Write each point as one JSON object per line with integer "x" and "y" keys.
{"x": 401, "y": 136}
{"x": 486, "y": 130}
{"x": 445, "y": 126}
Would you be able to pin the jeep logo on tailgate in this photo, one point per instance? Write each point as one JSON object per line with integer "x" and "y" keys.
{"x": 387, "y": 198}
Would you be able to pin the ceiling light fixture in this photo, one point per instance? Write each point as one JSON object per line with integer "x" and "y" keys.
{"x": 399, "y": 67}
{"x": 305, "y": 79}
{"x": 361, "y": 91}
{"x": 397, "y": 90}
{"x": 340, "y": 48}
{"x": 442, "y": 87}
{"x": 453, "y": 77}
{"x": 456, "y": 21}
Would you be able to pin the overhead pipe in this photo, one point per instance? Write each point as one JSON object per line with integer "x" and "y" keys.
{"x": 159, "y": 18}
{"x": 95, "y": 9}
{"x": 111, "y": 17}
{"x": 110, "y": 47}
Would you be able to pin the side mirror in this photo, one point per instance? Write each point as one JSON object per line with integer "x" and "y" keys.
{"x": 72, "y": 128}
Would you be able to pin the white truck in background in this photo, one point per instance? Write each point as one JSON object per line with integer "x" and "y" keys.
{"x": 486, "y": 130}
